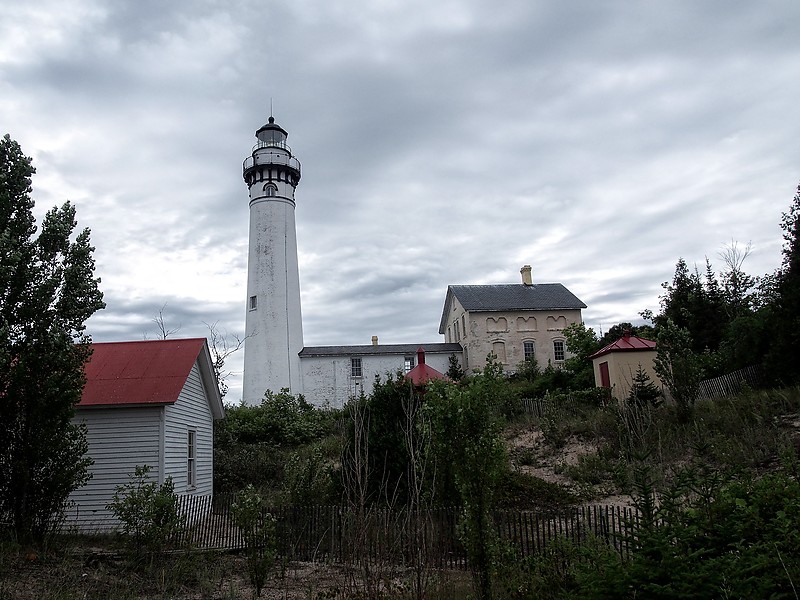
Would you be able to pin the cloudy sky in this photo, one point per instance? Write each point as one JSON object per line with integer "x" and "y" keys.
{"x": 442, "y": 143}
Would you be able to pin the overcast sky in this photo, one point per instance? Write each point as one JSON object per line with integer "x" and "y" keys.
{"x": 442, "y": 143}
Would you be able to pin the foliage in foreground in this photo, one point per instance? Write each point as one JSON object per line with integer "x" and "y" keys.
{"x": 258, "y": 529}
{"x": 712, "y": 535}
{"x": 47, "y": 292}
{"x": 275, "y": 445}
{"x": 148, "y": 513}
{"x": 466, "y": 433}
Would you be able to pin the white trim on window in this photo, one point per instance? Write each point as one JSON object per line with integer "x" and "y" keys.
{"x": 191, "y": 459}
{"x": 356, "y": 367}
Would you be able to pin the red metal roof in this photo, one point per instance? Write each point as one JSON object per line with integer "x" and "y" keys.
{"x": 422, "y": 373}
{"x": 627, "y": 343}
{"x": 136, "y": 373}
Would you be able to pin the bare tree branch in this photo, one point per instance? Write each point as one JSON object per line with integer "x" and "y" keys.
{"x": 222, "y": 345}
{"x": 162, "y": 330}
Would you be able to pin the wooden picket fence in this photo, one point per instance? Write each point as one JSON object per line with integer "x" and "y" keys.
{"x": 336, "y": 534}
{"x": 731, "y": 384}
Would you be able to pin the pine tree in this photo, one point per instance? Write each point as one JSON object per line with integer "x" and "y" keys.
{"x": 643, "y": 390}
{"x": 784, "y": 358}
{"x": 47, "y": 292}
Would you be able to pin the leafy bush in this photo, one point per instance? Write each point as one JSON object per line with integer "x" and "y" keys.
{"x": 253, "y": 443}
{"x": 239, "y": 465}
{"x": 148, "y": 512}
{"x": 521, "y": 491}
{"x": 311, "y": 478}
{"x": 712, "y": 535}
{"x": 249, "y": 514}
{"x": 281, "y": 420}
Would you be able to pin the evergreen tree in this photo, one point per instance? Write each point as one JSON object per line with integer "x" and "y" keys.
{"x": 454, "y": 370}
{"x": 616, "y": 332}
{"x": 47, "y": 292}
{"x": 784, "y": 358}
{"x": 695, "y": 304}
{"x": 643, "y": 390}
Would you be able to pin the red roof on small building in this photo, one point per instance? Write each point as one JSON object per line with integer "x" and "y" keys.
{"x": 422, "y": 373}
{"x": 135, "y": 373}
{"x": 627, "y": 343}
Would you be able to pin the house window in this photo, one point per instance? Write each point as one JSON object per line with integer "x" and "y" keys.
{"x": 499, "y": 350}
{"x": 191, "y": 459}
{"x": 355, "y": 367}
{"x": 529, "y": 350}
{"x": 408, "y": 363}
{"x": 558, "y": 350}
{"x": 253, "y": 302}
{"x": 464, "y": 325}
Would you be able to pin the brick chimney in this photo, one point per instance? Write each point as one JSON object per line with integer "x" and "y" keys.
{"x": 526, "y": 275}
{"x": 374, "y": 340}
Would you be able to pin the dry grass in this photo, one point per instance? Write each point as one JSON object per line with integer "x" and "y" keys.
{"x": 86, "y": 571}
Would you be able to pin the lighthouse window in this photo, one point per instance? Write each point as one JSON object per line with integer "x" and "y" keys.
{"x": 253, "y": 302}
{"x": 270, "y": 190}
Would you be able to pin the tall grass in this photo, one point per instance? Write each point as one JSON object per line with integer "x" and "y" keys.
{"x": 750, "y": 431}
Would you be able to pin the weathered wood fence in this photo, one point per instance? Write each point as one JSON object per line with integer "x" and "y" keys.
{"x": 336, "y": 534}
{"x": 731, "y": 384}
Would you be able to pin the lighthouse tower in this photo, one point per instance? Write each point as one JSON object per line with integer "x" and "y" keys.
{"x": 274, "y": 326}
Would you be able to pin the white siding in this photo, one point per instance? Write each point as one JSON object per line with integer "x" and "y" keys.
{"x": 327, "y": 379}
{"x": 119, "y": 440}
{"x": 190, "y": 411}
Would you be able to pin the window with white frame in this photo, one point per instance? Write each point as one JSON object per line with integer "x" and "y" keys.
{"x": 408, "y": 363}
{"x": 558, "y": 350}
{"x": 355, "y": 367}
{"x": 529, "y": 350}
{"x": 191, "y": 458}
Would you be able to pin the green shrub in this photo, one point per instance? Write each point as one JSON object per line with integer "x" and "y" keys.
{"x": 521, "y": 491}
{"x": 148, "y": 512}
{"x": 249, "y": 514}
{"x": 712, "y": 535}
{"x": 310, "y": 478}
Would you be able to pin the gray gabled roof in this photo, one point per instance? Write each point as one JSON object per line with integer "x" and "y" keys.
{"x": 370, "y": 349}
{"x": 508, "y": 297}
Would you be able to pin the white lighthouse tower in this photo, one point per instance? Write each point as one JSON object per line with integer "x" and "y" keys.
{"x": 274, "y": 326}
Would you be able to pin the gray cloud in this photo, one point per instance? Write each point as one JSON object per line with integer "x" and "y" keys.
{"x": 441, "y": 143}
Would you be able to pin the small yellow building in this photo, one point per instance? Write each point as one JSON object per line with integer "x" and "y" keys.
{"x": 616, "y": 364}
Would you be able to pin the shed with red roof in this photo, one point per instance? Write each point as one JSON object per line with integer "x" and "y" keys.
{"x": 615, "y": 365}
{"x": 423, "y": 373}
{"x": 152, "y": 403}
